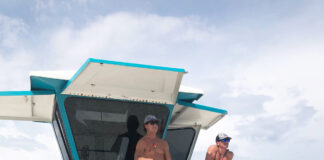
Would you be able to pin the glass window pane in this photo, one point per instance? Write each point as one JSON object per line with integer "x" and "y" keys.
{"x": 61, "y": 135}
{"x": 180, "y": 141}
{"x": 109, "y": 129}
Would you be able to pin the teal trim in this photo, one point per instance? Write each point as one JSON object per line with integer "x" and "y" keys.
{"x": 43, "y": 83}
{"x": 198, "y": 106}
{"x": 188, "y": 97}
{"x": 60, "y": 101}
{"x": 169, "y": 119}
{"x": 136, "y": 65}
{"x": 25, "y": 93}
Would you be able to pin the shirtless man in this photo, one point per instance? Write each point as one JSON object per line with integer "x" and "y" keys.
{"x": 151, "y": 147}
{"x": 220, "y": 151}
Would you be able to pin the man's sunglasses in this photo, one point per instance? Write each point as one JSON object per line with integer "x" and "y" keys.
{"x": 225, "y": 140}
{"x": 153, "y": 122}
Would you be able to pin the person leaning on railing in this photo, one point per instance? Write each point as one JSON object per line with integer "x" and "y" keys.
{"x": 220, "y": 151}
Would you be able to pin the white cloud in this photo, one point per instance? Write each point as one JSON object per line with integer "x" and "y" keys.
{"x": 289, "y": 77}
{"x": 289, "y": 112}
{"x": 124, "y": 36}
{"x": 37, "y": 154}
{"x": 14, "y": 57}
{"x": 15, "y": 70}
{"x": 27, "y": 140}
{"x": 10, "y": 31}
{"x": 274, "y": 103}
{"x": 44, "y": 5}
{"x": 269, "y": 76}
{"x": 9, "y": 129}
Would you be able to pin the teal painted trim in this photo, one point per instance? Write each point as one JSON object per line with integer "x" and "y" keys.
{"x": 25, "y": 93}
{"x": 49, "y": 84}
{"x": 60, "y": 101}
{"x": 136, "y": 65}
{"x": 198, "y": 106}
{"x": 169, "y": 119}
{"x": 188, "y": 97}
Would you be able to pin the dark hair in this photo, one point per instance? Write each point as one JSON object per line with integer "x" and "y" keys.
{"x": 217, "y": 138}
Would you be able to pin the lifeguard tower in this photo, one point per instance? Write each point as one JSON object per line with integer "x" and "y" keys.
{"x": 98, "y": 112}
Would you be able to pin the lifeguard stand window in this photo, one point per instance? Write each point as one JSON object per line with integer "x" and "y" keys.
{"x": 110, "y": 129}
{"x": 180, "y": 145}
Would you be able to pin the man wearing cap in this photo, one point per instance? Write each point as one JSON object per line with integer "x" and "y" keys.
{"x": 151, "y": 147}
{"x": 220, "y": 151}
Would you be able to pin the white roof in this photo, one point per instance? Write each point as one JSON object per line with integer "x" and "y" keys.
{"x": 185, "y": 115}
{"x": 105, "y": 80}
{"x": 27, "y": 107}
{"x": 126, "y": 83}
{"x": 68, "y": 74}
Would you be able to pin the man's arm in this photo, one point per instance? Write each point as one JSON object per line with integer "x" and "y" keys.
{"x": 210, "y": 155}
{"x": 167, "y": 151}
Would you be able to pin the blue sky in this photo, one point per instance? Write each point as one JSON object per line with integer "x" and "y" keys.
{"x": 261, "y": 60}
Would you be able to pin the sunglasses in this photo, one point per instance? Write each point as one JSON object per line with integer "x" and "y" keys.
{"x": 225, "y": 140}
{"x": 152, "y": 122}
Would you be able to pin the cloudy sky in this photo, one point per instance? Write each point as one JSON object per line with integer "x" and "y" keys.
{"x": 261, "y": 60}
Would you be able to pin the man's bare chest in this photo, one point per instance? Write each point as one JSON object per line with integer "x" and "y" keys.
{"x": 153, "y": 149}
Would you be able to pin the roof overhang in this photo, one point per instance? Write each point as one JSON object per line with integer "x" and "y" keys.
{"x": 190, "y": 114}
{"x": 126, "y": 81}
{"x": 27, "y": 105}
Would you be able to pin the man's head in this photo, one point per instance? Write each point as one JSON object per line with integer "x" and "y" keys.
{"x": 222, "y": 140}
{"x": 151, "y": 123}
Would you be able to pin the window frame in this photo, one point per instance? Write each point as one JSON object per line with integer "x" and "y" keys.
{"x": 196, "y": 130}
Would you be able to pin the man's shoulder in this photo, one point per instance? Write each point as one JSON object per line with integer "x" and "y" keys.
{"x": 229, "y": 153}
{"x": 211, "y": 151}
{"x": 212, "y": 147}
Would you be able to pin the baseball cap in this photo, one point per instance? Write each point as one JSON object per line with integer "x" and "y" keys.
{"x": 221, "y": 136}
{"x": 149, "y": 118}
